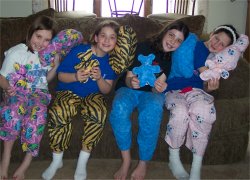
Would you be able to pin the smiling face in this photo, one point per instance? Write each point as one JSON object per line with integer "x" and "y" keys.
{"x": 218, "y": 42}
{"x": 40, "y": 39}
{"x": 172, "y": 40}
{"x": 105, "y": 41}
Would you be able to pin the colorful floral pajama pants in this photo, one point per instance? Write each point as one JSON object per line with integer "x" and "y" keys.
{"x": 67, "y": 105}
{"x": 25, "y": 115}
{"x": 191, "y": 117}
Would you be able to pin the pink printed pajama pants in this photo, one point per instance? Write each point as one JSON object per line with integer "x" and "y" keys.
{"x": 191, "y": 117}
{"x": 25, "y": 115}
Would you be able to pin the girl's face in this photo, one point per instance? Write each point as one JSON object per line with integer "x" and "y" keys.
{"x": 217, "y": 42}
{"x": 40, "y": 39}
{"x": 105, "y": 41}
{"x": 172, "y": 40}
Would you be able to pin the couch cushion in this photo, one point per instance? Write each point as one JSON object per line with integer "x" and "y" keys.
{"x": 74, "y": 14}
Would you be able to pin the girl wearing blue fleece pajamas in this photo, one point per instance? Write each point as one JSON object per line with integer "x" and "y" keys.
{"x": 148, "y": 100}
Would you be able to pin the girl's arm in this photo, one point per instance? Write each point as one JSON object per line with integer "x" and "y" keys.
{"x": 4, "y": 83}
{"x": 6, "y": 86}
{"x": 52, "y": 73}
{"x": 105, "y": 86}
{"x": 160, "y": 84}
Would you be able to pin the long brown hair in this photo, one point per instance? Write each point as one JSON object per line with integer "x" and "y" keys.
{"x": 156, "y": 40}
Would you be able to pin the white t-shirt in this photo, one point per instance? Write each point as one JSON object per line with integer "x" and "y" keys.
{"x": 20, "y": 54}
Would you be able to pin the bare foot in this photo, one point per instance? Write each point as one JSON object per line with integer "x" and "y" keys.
{"x": 122, "y": 173}
{"x": 4, "y": 170}
{"x": 140, "y": 171}
{"x": 19, "y": 174}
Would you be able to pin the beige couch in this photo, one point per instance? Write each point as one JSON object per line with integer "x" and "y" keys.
{"x": 229, "y": 137}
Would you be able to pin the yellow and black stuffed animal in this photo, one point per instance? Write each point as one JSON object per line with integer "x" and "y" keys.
{"x": 124, "y": 52}
{"x": 120, "y": 58}
{"x": 86, "y": 63}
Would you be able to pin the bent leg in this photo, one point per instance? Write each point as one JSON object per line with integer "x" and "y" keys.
{"x": 8, "y": 145}
{"x": 63, "y": 109}
{"x": 203, "y": 115}
{"x": 176, "y": 131}
{"x": 178, "y": 120}
{"x": 12, "y": 116}
{"x": 150, "y": 111}
{"x": 61, "y": 113}
{"x": 94, "y": 113}
{"x": 122, "y": 107}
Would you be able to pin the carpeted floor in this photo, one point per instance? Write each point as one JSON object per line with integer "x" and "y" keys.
{"x": 105, "y": 168}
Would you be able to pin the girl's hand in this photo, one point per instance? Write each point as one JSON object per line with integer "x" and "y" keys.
{"x": 11, "y": 91}
{"x": 82, "y": 75}
{"x": 134, "y": 82}
{"x": 95, "y": 73}
{"x": 160, "y": 86}
{"x": 213, "y": 84}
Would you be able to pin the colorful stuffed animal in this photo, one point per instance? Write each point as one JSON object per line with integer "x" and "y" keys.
{"x": 62, "y": 43}
{"x": 219, "y": 64}
{"x": 146, "y": 72}
{"x": 183, "y": 57}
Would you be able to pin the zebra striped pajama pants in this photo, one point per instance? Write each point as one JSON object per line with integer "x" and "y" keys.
{"x": 67, "y": 105}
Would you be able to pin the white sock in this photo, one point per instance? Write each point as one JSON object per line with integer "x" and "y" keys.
{"x": 81, "y": 169}
{"x": 175, "y": 164}
{"x": 56, "y": 163}
{"x": 195, "y": 173}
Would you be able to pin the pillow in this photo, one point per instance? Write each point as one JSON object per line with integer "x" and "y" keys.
{"x": 124, "y": 52}
{"x": 182, "y": 58}
{"x": 62, "y": 44}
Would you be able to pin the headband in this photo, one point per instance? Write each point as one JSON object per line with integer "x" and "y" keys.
{"x": 230, "y": 30}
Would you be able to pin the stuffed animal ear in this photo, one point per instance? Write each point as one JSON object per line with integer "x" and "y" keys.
{"x": 62, "y": 43}
{"x": 121, "y": 57}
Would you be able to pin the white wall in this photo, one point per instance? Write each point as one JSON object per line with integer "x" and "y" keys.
{"x": 219, "y": 12}
{"x": 227, "y": 12}
{"x": 15, "y": 8}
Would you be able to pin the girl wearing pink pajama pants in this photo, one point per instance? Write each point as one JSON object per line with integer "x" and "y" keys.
{"x": 192, "y": 110}
{"x": 192, "y": 114}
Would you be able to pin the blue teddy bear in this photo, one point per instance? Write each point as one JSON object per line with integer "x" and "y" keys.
{"x": 146, "y": 71}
